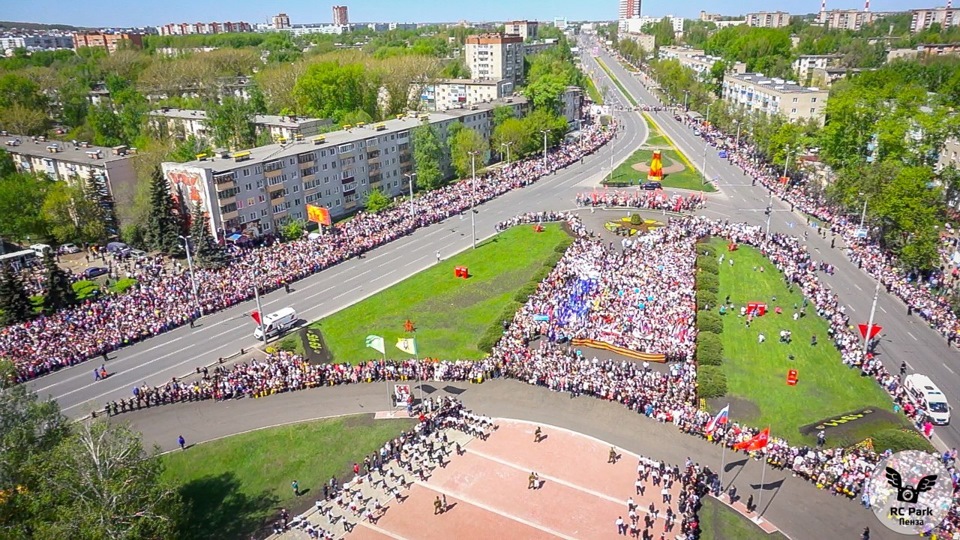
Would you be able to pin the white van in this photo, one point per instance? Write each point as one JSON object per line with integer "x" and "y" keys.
{"x": 40, "y": 249}
{"x": 931, "y": 399}
{"x": 277, "y": 323}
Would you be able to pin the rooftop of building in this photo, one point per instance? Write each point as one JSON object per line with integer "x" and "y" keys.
{"x": 71, "y": 151}
{"x": 778, "y": 85}
{"x": 480, "y": 82}
{"x": 264, "y": 119}
{"x": 344, "y": 136}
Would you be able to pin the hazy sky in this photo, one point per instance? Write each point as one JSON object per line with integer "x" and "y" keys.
{"x": 107, "y": 13}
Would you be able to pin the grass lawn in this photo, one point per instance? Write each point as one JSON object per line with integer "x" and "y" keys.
{"x": 450, "y": 314}
{"x": 688, "y": 178}
{"x": 616, "y": 81}
{"x": 719, "y": 522}
{"x": 757, "y": 372}
{"x": 593, "y": 92}
{"x": 233, "y": 485}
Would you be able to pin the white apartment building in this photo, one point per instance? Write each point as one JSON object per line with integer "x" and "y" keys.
{"x": 495, "y": 57}
{"x": 525, "y": 29}
{"x": 848, "y": 19}
{"x": 38, "y": 42}
{"x": 768, "y": 19}
{"x": 186, "y": 122}
{"x": 755, "y": 92}
{"x": 76, "y": 162}
{"x": 254, "y": 191}
{"x": 923, "y": 19}
{"x": 458, "y": 93}
{"x": 647, "y": 42}
{"x": 804, "y": 65}
{"x": 697, "y": 60}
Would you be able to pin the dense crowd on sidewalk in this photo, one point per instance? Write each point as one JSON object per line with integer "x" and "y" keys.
{"x": 534, "y": 349}
{"x": 163, "y": 300}
{"x": 641, "y": 199}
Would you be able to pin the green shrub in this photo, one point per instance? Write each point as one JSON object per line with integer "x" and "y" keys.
{"x": 706, "y": 300}
{"x": 708, "y": 265}
{"x": 290, "y": 343}
{"x": 493, "y": 334}
{"x": 122, "y": 285}
{"x": 707, "y": 250}
{"x": 711, "y": 382}
{"x": 636, "y": 219}
{"x": 552, "y": 260}
{"x": 708, "y": 321}
{"x": 525, "y": 292}
{"x": 709, "y": 349}
{"x": 900, "y": 439}
{"x": 561, "y": 247}
{"x": 86, "y": 289}
{"x": 708, "y": 282}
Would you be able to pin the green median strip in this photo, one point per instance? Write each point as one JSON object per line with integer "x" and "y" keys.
{"x": 616, "y": 81}
{"x": 593, "y": 92}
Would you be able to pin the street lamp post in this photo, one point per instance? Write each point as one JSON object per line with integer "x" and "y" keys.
{"x": 703, "y": 170}
{"x": 413, "y": 209}
{"x": 193, "y": 279}
{"x": 769, "y": 210}
{"x": 863, "y": 215}
{"x": 686, "y": 93}
{"x": 507, "y": 145}
{"x": 736, "y": 145}
{"x": 473, "y": 196}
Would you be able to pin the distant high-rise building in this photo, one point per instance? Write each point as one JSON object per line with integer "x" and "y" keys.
{"x": 495, "y": 57}
{"x": 107, "y": 41}
{"x": 629, "y": 9}
{"x": 281, "y": 21}
{"x": 922, "y": 19}
{"x": 340, "y": 17}
{"x": 524, "y": 29}
{"x": 766, "y": 19}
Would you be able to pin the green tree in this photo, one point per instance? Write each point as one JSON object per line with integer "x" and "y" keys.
{"x": 17, "y": 89}
{"x": 73, "y": 216}
{"x": 468, "y": 149}
{"x": 59, "y": 293}
{"x": 207, "y": 252}
{"x": 7, "y": 166}
{"x": 426, "y": 157}
{"x": 515, "y": 134}
{"x": 377, "y": 201}
{"x": 332, "y": 90}
{"x": 23, "y": 120}
{"x": 15, "y": 305}
{"x": 231, "y": 122}
{"x": 162, "y": 225}
{"x": 545, "y": 92}
{"x": 502, "y": 113}
{"x": 21, "y": 205}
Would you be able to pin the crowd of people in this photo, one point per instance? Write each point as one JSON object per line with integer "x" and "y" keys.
{"x": 923, "y": 293}
{"x": 641, "y": 199}
{"x": 162, "y": 299}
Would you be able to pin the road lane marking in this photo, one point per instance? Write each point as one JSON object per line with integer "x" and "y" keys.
{"x": 881, "y": 309}
{"x": 913, "y": 336}
{"x": 949, "y": 369}
{"x": 858, "y": 287}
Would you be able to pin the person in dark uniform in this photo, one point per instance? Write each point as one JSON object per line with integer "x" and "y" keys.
{"x": 537, "y": 434}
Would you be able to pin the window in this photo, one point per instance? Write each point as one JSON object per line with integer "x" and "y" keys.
{"x": 248, "y": 187}
{"x": 240, "y": 204}
{"x": 253, "y": 216}
{"x": 251, "y": 201}
{"x": 296, "y": 188}
{"x": 266, "y": 226}
{"x": 794, "y": 100}
{"x": 263, "y": 212}
{"x": 246, "y": 172}
{"x": 813, "y": 100}
{"x": 793, "y": 110}
{"x": 337, "y": 202}
{"x": 813, "y": 110}
{"x": 259, "y": 183}
{"x": 262, "y": 198}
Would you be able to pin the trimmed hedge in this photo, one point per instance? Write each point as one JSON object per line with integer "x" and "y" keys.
{"x": 708, "y": 265}
{"x": 705, "y": 300}
{"x": 525, "y": 292}
{"x": 708, "y": 321}
{"x": 122, "y": 285}
{"x": 709, "y": 349}
{"x": 708, "y": 282}
{"x": 493, "y": 334}
{"x": 707, "y": 250}
{"x": 711, "y": 382}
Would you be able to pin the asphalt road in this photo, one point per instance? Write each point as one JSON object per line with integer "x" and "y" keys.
{"x": 904, "y": 338}
{"x": 174, "y": 354}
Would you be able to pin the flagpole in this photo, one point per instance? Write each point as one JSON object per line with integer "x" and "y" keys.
{"x": 723, "y": 462}
{"x": 416, "y": 354}
{"x": 763, "y": 472}
{"x": 390, "y": 406}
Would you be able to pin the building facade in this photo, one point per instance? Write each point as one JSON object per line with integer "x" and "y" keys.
{"x": 923, "y": 19}
{"x": 340, "y": 16}
{"x": 448, "y": 94}
{"x": 108, "y": 42}
{"x": 848, "y": 19}
{"x": 184, "y": 29}
{"x": 697, "y": 60}
{"x": 77, "y": 162}
{"x": 949, "y": 154}
{"x": 647, "y": 42}
{"x": 768, "y": 19}
{"x": 755, "y": 92}
{"x": 280, "y": 21}
{"x": 524, "y": 29}
{"x": 804, "y": 65}
{"x": 37, "y": 42}
{"x": 495, "y": 57}
{"x": 255, "y": 191}
{"x": 186, "y": 122}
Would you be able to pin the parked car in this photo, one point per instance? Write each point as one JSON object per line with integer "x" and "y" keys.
{"x": 69, "y": 248}
{"x": 138, "y": 253}
{"x": 650, "y": 186}
{"x": 118, "y": 247}
{"x": 94, "y": 271}
{"x": 40, "y": 249}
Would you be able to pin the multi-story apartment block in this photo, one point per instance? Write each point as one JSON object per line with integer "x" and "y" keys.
{"x": 571, "y": 103}
{"x": 183, "y": 29}
{"x": 340, "y": 16}
{"x": 281, "y": 21}
{"x": 458, "y": 93}
{"x": 697, "y": 60}
{"x": 848, "y": 19}
{"x": 647, "y": 42}
{"x": 254, "y": 191}
{"x": 524, "y": 29}
{"x": 495, "y": 56}
{"x": 629, "y": 9}
{"x": 77, "y": 162}
{"x": 754, "y": 92}
{"x": 923, "y": 19}
{"x": 186, "y": 122}
{"x": 35, "y": 42}
{"x": 949, "y": 154}
{"x": 804, "y": 65}
{"x": 108, "y": 42}
{"x": 768, "y": 19}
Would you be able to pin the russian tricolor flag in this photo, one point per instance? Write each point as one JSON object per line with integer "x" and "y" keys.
{"x": 721, "y": 418}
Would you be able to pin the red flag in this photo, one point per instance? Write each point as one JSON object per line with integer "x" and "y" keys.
{"x": 756, "y": 442}
{"x": 874, "y": 330}
{"x": 256, "y": 316}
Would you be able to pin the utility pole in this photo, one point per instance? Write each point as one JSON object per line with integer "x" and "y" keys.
{"x": 256, "y": 294}
{"x": 507, "y": 145}
{"x": 544, "y": 131}
{"x": 413, "y": 210}
{"x": 473, "y": 196}
{"x": 863, "y": 216}
{"x": 193, "y": 279}
{"x": 873, "y": 311}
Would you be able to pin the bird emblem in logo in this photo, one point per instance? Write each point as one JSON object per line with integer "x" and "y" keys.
{"x": 909, "y": 494}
